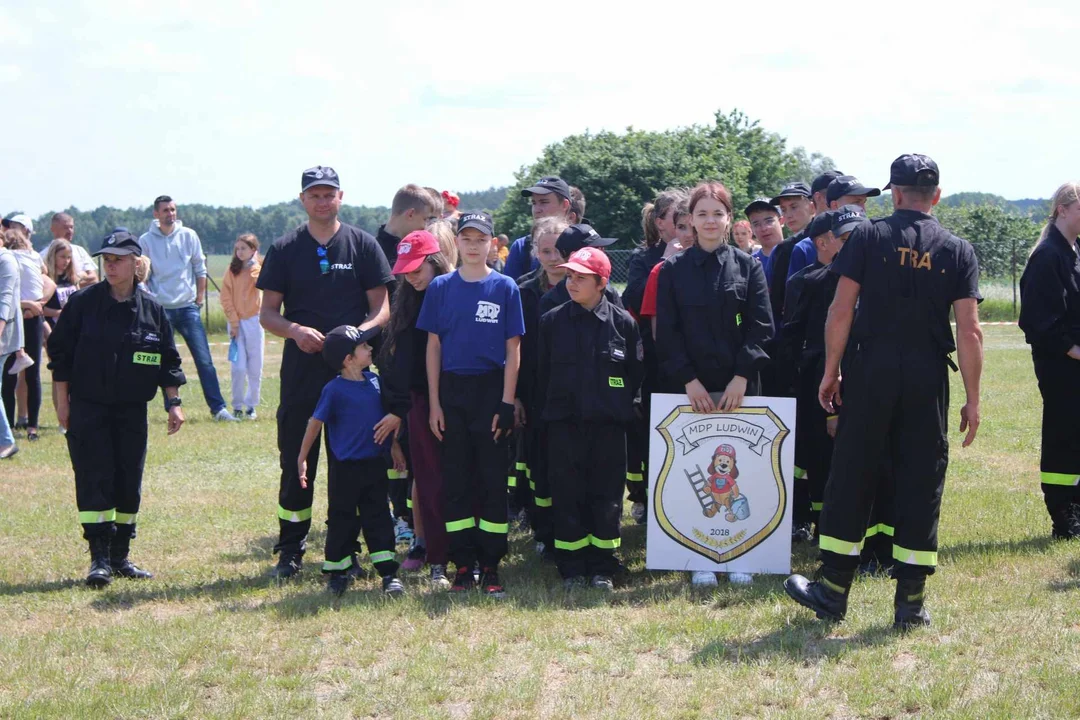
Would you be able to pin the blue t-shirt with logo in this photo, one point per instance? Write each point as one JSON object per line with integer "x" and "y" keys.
{"x": 766, "y": 264}
{"x": 473, "y": 320}
{"x": 351, "y": 409}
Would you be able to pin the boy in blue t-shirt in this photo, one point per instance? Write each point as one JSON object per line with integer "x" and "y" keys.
{"x": 474, "y": 322}
{"x": 350, "y": 406}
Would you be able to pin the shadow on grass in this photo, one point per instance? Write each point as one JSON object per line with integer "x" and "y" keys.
{"x": 1068, "y": 585}
{"x": 7, "y": 590}
{"x": 125, "y": 594}
{"x": 263, "y": 548}
{"x": 967, "y": 550}
{"x": 804, "y": 640}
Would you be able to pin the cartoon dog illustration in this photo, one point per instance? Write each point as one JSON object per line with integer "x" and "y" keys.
{"x": 723, "y": 472}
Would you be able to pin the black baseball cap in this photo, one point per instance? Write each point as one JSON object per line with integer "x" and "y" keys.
{"x": 847, "y": 218}
{"x": 761, "y": 203}
{"x": 320, "y": 175}
{"x": 795, "y": 189}
{"x": 913, "y": 170}
{"x": 848, "y": 185}
{"x": 119, "y": 242}
{"x": 821, "y": 224}
{"x": 477, "y": 219}
{"x": 579, "y": 236}
{"x": 548, "y": 184}
{"x": 342, "y": 341}
{"x": 822, "y": 181}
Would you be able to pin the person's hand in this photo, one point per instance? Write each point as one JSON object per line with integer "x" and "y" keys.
{"x": 301, "y": 470}
{"x": 969, "y": 421}
{"x": 31, "y": 308}
{"x": 176, "y": 419}
{"x": 519, "y": 414}
{"x": 830, "y": 425}
{"x": 502, "y": 424}
{"x": 437, "y": 421}
{"x": 234, "y": 330}
{"x": 699, "y": 397}
{"x": 398, "y": 456}
{"x": 389, "y": 424}
{"x": 63, "y": 411}
{"x": 829, "y": 393}
{"x": 199, "y": 302}
{"x": 307, "y": 339}
{"x": 1074, "y": 352}
{"x": 733, "y": 395}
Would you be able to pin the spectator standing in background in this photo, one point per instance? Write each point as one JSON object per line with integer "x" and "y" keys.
{"x": 62, "y": 227}
{"x": 242, "y": 301}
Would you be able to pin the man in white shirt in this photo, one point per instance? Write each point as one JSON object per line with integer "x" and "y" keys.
{"x": 62, "y": 227}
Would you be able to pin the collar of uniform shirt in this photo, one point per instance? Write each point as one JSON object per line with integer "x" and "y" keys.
{"x": 699, "y": 256}
{"x": 602, "y": 311}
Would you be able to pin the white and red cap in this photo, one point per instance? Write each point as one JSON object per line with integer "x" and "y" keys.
{"x": 725, "y": 449}
{"x": 590, "y": 261}
{"x": 413, "y": 249}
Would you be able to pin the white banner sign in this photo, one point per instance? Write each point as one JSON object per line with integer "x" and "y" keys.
{"x": 720, "y": 486}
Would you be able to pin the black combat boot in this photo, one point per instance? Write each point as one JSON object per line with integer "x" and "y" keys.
{"x": 910, "y": 612}
{"x": 827, "y": 596}
{"x": 100, "y": 573}
{"x": 118, "y": 555}
{"x": 289, "y": 565}
{"x": 1066, "y": 523}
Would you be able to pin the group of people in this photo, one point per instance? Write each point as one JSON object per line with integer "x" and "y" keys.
{"x": 529, "y": 387}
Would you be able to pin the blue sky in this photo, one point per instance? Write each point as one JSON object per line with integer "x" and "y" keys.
{"x": 115, "y": 102}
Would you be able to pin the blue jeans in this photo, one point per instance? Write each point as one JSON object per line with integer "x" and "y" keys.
{"x": 186, "y": 321}
{"x": 6, "y": 438}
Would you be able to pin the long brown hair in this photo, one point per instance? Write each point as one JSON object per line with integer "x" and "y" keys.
{"x": 72, "y": 274}
{"x": 252, "y": 242}
{"x": 406, "y": 306}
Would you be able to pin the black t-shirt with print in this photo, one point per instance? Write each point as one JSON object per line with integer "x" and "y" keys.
{"x": 355, "y": 264}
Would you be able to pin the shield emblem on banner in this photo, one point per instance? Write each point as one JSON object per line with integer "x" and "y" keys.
{"x": 721, "y": 490}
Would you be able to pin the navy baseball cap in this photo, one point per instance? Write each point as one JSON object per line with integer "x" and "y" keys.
{"x": 579, "y": 236}
{"x": 119, "y": 242}
{"x": 477, "y": 219}
{"x": 848, "y": 185}
{"x": 822, "y": 181}
{"x": 847, "y": 218}
{"x": 320, "y": 175}
{"x": 795, "y": 189}
{"x": 548, "y": 184}
{"x": 821, "y": 224}
{"x": 342, "y": 341}
{"x": 914, "y": 170}
{"x": 760, "y": 204}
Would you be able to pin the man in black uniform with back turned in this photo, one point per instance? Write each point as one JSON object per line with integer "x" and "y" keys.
{"x": 906, "y": 272}
{"x": 326, "y": 274}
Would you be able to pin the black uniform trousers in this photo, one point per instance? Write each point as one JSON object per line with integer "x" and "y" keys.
{"x": 895, "y": 406}
{"x": 474, "y": 469}
{"x": 107, "y": 444}
{"x": 587, "y": 465}
{"x": 356, "y": 494}
{"x": 303, "y": 376}
{"x": 537, "y": 439}
{"x": 813, "y": 445}
{"x": 1059, "y": 461}
{"x": 399, "y": 489}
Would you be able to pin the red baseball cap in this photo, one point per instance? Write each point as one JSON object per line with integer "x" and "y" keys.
{"x": 412, "y": 250}
{"x": 725, "y": 449}
{"x": 591, "y": 261}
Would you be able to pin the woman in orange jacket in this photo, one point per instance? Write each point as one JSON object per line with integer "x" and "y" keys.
{"x": 242, "y": 301}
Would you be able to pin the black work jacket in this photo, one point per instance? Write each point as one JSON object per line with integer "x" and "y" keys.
{"x": 1050, "y": 296}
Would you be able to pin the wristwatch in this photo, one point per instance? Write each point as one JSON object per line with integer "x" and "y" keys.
{"x": 170, "y": 403}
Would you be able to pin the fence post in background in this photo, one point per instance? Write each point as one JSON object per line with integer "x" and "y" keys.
{"x": 1014, "y": 274}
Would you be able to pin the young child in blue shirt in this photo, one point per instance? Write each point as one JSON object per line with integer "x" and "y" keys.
{"x": 474, "y": 322}
{"x": 350, "y": 406}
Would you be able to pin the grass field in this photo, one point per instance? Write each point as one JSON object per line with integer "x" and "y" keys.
{"x": 212, "y": 636}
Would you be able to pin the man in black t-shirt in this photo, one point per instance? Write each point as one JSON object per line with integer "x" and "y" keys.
{"x": 325, "y": 274}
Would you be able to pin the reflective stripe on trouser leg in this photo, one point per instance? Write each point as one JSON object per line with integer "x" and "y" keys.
{"x": 123, "y": 518}
{"x": 294, "y": 516}
{"x": 338, "y": 566}
{"x": 925, "y": 558}
{"x": 572, "y": 545}
{"x": 1067, "y": 479}
{"x": 90, "y": 517}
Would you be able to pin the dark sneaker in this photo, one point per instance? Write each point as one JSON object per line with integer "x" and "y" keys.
{"x": 463, "y": 581}
{"x": 289, "y": 565}
{"x": 392, "y": 587}
{"x": 414, "y": 559}
{"x": 438, "y": 577}
{"x": 802, "y": 533}
{"x": 128, "y": 569}
{"x": 356, "y": 571}
{"x": 602, "y": 582}
{"x": 575, "y": 583}
{"x": 828, "y": 603}
{"x": 489, "y": 583}
{"x": 338, "y": 583}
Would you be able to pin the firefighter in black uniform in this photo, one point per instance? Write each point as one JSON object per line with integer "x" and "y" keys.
{"x": 1050, "y": 319}
{"x": 111, "y": 350}
{"x": 906, "y": 272}
{"x": 590, "y": 369}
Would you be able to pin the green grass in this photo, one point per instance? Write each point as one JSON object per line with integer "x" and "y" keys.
{"x": 211, "y": 636}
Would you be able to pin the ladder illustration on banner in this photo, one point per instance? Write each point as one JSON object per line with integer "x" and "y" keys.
{"x": 700, "y": 485}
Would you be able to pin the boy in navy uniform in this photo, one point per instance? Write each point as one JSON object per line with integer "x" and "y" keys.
{"x": 350, "y": 406}
{"x": 591, "y": 364}
{"x": 475, "y": 323}
{"x": 905, "y": 272}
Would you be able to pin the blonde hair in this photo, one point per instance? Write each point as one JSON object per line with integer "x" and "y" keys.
{"x": 547, "y": 226}
{"x": 443, "y": 230}
{"x": 1067, "y": 194}
{"x": 72, "y": 273}
{"x": 142, "y": 268}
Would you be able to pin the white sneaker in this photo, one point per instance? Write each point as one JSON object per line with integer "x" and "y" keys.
{"x": 21, "y": 363}
{"x": 223, "y": 415}
{"x": 703, "y": 578}
{"x": 741, "y": 578}
{"x": 249, "y": 414}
